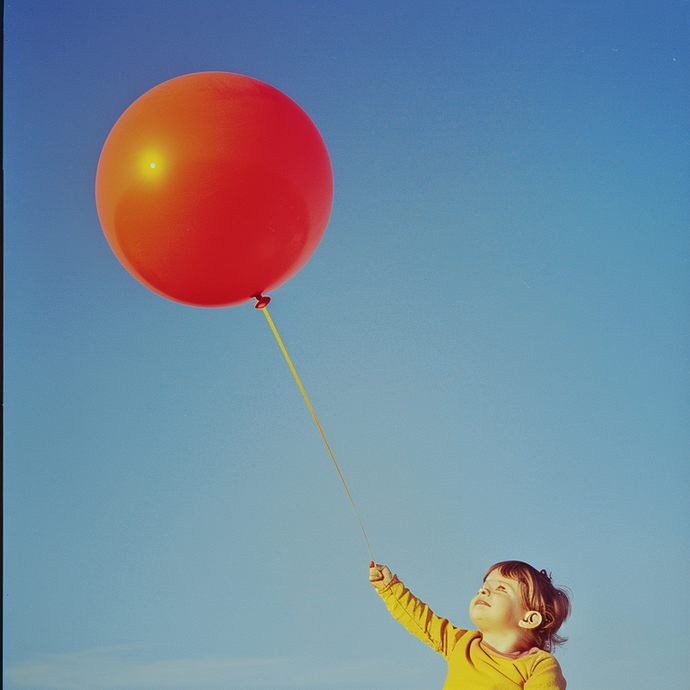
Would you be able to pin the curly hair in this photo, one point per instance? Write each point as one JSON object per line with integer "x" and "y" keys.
{"x": 539, "y": 594}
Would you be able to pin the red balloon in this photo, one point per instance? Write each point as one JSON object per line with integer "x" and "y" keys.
{"x": 213, "y": 188}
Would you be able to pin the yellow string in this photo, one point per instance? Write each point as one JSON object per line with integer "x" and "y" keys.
{"x": 313, "y": 414}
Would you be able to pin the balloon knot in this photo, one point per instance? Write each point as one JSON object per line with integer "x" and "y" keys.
{"x": 261, "y": 301}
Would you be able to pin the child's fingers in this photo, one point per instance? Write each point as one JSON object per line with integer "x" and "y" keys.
{"x": 375, "y": 573}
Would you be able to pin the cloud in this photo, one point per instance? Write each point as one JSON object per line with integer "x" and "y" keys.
{"x": 121, "y": 668}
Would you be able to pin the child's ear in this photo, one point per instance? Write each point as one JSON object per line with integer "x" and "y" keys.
{"x": 531, "y": 620}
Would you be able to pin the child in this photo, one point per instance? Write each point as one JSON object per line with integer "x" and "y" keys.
{"x": 517, "y": 611}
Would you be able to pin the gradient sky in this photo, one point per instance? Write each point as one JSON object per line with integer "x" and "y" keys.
{"x": 494, "y": 332}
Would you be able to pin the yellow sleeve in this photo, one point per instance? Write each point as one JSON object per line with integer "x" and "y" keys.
{"x": 419, "y": 619}
{"x": 545, "y": 675}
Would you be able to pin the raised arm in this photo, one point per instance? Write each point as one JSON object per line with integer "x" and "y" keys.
{"x": 414, "y": 614}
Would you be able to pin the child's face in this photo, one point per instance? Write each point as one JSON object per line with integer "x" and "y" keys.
{"x": 498, "y": 606}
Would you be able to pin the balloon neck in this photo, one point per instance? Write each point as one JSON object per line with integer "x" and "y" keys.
{"x": 261, "y": 301}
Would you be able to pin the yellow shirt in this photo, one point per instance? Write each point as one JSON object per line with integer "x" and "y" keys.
{"x": 471, "y": 666}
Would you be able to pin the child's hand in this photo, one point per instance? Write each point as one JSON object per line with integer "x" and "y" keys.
{"x": 379, "y": 575}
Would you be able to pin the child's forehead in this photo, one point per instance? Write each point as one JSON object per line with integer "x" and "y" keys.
{"x": 496, "y": 576}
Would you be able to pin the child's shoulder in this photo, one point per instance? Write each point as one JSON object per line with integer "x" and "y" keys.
{"x": 543, "y": 664}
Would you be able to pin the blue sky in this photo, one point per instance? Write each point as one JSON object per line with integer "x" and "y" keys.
{"x": 494, "y": 332}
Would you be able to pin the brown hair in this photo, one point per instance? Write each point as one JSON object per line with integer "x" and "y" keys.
{"x": 539, "y": 594}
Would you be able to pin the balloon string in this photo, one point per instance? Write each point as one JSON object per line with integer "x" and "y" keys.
{"x": 313, "y": 414}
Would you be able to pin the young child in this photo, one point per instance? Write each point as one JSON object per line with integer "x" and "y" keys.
{"x": 517, "y": 611}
